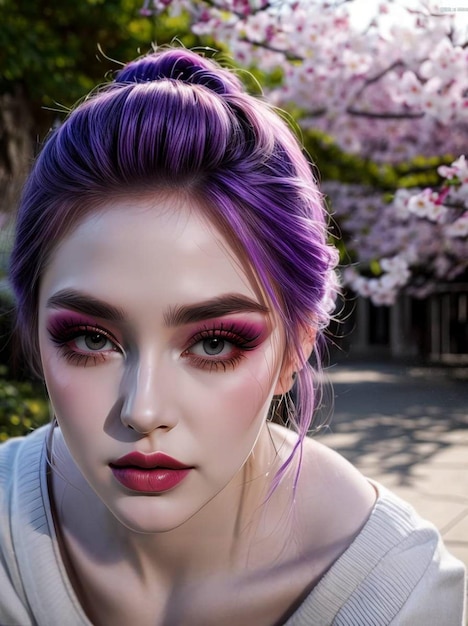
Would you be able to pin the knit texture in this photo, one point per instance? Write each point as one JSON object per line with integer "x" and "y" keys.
{"x": 397, "y": 570}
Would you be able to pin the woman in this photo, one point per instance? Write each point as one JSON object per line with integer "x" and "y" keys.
{"x": 172, "y": 278}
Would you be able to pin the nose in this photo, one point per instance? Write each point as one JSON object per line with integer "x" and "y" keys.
{"x": 147, "y": 402}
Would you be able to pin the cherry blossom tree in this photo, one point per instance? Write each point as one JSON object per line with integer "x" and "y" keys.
{"x": 390, "y": 87}
{"x": 410, "y": 243}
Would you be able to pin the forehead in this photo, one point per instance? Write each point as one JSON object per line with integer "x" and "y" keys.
{"x": 137, "y": 244}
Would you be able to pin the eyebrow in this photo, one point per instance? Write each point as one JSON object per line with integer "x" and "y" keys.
{"x": 215, "y": 307}
{"x": 77, "y": 301}
{"x": 176, "y": 316}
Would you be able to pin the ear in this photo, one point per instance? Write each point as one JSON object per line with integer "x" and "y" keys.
{"x": 291, "y": 363}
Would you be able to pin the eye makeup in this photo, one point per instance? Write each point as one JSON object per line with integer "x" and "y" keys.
{"x": 214, "y": 345}
{"x": 221, "y": 344}
{"x": 80, "y": 340}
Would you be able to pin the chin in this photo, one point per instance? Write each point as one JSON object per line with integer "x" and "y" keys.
{"x": 149, "y": 515}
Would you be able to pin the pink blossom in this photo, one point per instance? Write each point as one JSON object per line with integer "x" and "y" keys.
{"x": 461, "y": 168}
{"x": 355, "y": 63}
{"x": 258, "y": 27}
{"x": 400, "y": 203}
{"x": 446, "y": 171}
{"x": 458, "y": 228}
{"x": 410, "y": 88}
{"x": 425, "y": 204}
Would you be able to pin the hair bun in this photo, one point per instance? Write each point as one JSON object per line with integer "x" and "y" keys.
{"x": 182, "y": 65}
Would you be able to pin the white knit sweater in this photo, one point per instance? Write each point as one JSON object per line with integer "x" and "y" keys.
{"x": 396, "y": 571}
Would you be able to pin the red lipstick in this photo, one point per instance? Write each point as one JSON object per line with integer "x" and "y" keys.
{"x": 149, "y": 473}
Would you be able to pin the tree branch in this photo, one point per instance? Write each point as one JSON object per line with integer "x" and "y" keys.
{"x": 265, "y": 46}
{"x": 387, "y": 115}
{"x": 214, "y": 5}
{"x": 377, "y": 77}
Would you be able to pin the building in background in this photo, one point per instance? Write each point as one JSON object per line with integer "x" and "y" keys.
{"x": 433, "y": 330}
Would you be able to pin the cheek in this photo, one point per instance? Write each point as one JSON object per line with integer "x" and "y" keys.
{"x": 237, "y": 401}
{"x": 79, "y": 396}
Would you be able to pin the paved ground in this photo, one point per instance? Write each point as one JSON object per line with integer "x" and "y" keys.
{"x": 407, "y": 427}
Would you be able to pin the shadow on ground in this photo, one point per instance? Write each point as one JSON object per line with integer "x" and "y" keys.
{"x": 394, "y": 418}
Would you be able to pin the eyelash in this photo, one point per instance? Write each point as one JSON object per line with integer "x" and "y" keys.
{"x": 242, "y": 339}
{"x": 62, "y": 333}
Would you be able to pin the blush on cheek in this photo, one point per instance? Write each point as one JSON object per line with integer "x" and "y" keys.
{"x": 245, "y": 397}
{"x": 80, "y": 393}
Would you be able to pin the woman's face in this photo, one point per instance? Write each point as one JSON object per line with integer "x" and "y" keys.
{"x": 152, "y": 340}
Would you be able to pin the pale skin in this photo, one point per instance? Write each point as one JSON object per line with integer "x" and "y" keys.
{"x": 188, "y": 367}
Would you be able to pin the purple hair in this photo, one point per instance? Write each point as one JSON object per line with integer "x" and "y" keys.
{"x": 176, "y": 120}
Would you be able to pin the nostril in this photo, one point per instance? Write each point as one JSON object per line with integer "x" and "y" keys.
{"x": 144, "y": 423}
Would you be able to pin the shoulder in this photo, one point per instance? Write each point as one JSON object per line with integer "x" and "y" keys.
{"x": 396, "y": 571}
{"x": 34, "y": 586}
{"x": 329, "y": 505}
{"x": 9, "y": 454}
{"x": 381, "y": 563}
{"x": 333, "y": 499}
{"x": 21, "y": 460}
{"x": 19, "y": 455}
{"x": 23, "y": 482}
{"x": 425, "y": 584}
{"x": 19, "y": 493}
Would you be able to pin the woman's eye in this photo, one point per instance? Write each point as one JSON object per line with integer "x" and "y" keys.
{"x": 220, "y": 349}
{"x": 82, "y": 344}
{"x": 212, "y": 346}
{"x": 94, "y": 342}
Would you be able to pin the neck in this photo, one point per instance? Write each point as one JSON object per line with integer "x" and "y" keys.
{"x": 226, "y": 534}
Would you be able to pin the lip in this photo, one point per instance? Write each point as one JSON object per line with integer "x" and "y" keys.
{"x": 149, "y": 473}
{"x": 149, "y": 461}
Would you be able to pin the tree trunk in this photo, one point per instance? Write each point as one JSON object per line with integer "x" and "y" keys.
{"x": 16, "y": 149}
